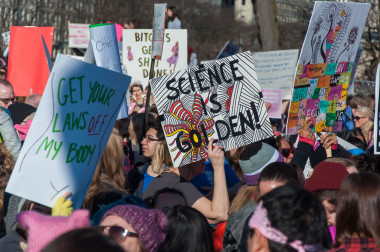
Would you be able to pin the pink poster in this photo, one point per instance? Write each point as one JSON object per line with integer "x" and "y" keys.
{"x": 274, "y": 97}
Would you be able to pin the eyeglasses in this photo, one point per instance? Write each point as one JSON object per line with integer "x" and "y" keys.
{"x": 148, "y": 139}
{"x": 7, "y": 100}
{"x": 118, "y": 233}
{"x": 357, "y": 118}
{"x": 286, "y": 152}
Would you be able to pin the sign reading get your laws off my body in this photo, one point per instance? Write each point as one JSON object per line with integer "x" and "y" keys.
{"x": 137, "y": 51}
{"x": 69, "y": 133}
{"x": 220, "y": 99}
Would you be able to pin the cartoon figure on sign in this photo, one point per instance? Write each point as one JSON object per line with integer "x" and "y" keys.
{"x": 192, "y": 131}
{"x": 130, "y": 55}
{"x": 174, "y": 58}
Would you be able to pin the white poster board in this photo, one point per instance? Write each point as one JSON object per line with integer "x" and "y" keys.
{"x": 137, "y": 50}
{"x": 275, "y": 69}
{"x": 106, "y": 53}
{"x": 69, "y": 132}
{"x": 159, "y": 18}
{"x": 377, "y": 111}
{"x": 222, "y": 100}
{"x": 79, "y": 35}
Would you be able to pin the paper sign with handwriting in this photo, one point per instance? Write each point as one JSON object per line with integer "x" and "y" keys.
{"x": 221, "y": 99}
{"x": 159, "y": 18}
{"x": 274, "y": 97}
{"x": 69, "y": 132}
{"x": 275, "y": 69}
{"x": 327, "y": 58}
{"x": 79, "y": 35}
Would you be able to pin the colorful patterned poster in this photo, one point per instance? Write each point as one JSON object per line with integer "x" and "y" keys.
{"x": 377, "y": 113}
{"x": 221, "y": 99}
{"x": 325, "y": 65}
{"x": 275, "y": 69}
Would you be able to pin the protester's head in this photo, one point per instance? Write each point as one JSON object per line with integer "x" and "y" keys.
{"x": 286, "y": 219}
{"x": 154, "y": 147}
{"x": 21, "y": 113}
{"x": 325, "y": 182}
{"x": 3, "y": 72}
{"x": 173, "y": 12}
{"x": 356, "y": 137}
{"x": 33, "y": 100}
{"x": 277, "y": 174}
{"x": 348, "y": 163}
{"x": 363, "y": 117}
{"x": 123, "y": 126}
{"x": 358, "y": 101}
{"x": 134, "y": 228}
{"x": 255, "y": 158}
{"x": 83, "y": 240}
{"x": 358, "y": 211}
{"x": 6, "y": 94}
{"x": 109, "y": 169}
{"x": 42, "y": 229}
{"x": 188, "y": 231}
{"x": 136, "y": 90}
{"x": 167, "y": 198}
{"x": 366, "y": 162}
{"x": 232, "y": 157}
{"x": 136, "y": 127}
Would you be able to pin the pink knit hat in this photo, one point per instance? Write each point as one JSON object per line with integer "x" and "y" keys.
{"x": 42, "y": 229}
{"x": 150, "y": 224}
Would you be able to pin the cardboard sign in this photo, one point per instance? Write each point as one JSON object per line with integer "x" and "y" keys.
{"x": 106, "y": 53}
{"x": 327, "y": 57}
{"x": 229, "y": 49}
{"x": 137, "y": 50}
{"x": 6, "y": 36}
{"x": 376, "y": 134}
{"x": 274, "y": 97}
{"x": 275, "y": 69}
{"x": 79, "y": 35}
{"x": 69, "y": 132}
{"x": 221, "y": 99}
{"x": 28, "y": 70}
{"x": 159, "y": 18}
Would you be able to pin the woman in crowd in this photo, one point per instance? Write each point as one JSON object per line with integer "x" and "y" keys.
{"x": 363, "y": 118}
{"x": 358, "y": 213}
{"x": 174, "y": 21}
{"x": 134, "y": 228}
{"x": 188, "y": 231}
{"x": 160, "y": 174}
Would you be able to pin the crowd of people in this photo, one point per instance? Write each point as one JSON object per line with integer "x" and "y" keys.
{"x": 253, "y": 198}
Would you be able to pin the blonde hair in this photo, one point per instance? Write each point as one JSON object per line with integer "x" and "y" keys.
{"x": 368, "y": 126}
{"x": 161, "y": 156}
{"x": 6, "y": 167}
{"x": 110, "y": 168}
{"x": 244, "y": 194}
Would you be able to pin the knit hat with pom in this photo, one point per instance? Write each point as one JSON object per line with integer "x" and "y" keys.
{"x": 150, "y": 224}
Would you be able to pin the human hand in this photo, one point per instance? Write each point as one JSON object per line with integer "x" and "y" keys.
{"x": 63, "y": 206}
{"x": 216, "y": 155}
{"x": 307, "y": 131}
{"x": 328, "y": 139}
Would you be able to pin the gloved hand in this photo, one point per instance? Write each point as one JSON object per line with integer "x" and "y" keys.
{"x": 63, "y": 206}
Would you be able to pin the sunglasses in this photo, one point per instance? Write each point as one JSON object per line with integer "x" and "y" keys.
{"x": 286, "y": 152}
{"x": 357, "y": 118}
{"x": 7, "y": 100}
{"x": 118, "y": 233}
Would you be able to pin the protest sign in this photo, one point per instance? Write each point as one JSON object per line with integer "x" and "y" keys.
{"x": 106, "y": 52}
{"x": 325, "y": 65}
{"x": 229, "y": 49}
{"x": 28, "y": 70}
{"x": 159, "y": 18}
{"x": 137, "y": 50}
{"x": 6, "y": 36}
{"x": 69, "y": 132}
{"x": 274, "y": 97}
{"x": 275, "y": 69}
{"x": 377, "y": 111}
{"x": 79, "y": 35}
{"x": 222, "y": 100}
